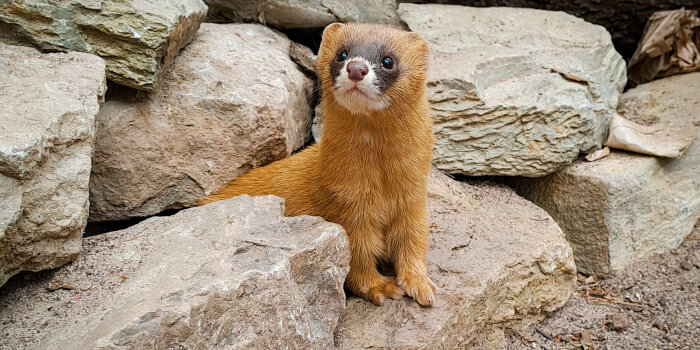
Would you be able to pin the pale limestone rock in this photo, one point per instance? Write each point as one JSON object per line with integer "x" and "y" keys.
{"x": 625, "y": 207}
{"x": 233, "y": 100}
{"x": 49, "y": 103}
{"x": 502, "y": 87}
{"x": 286, "y": 14}
{"x": 138, "y": 39}
{"x": 304, "y": 57}
{"x": 317, "y": 124}
{"x": 234, "y": 274}
{"x": 496, "y": 258}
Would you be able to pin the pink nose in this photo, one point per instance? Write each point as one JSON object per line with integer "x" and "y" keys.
{"x": 357, "y": 70}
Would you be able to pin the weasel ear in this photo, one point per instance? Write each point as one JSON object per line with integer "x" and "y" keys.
{"x": 418, "y": 41}
{"x": 420, "y": 45}
{"x": 328, "y": 43}
{"x": 330, "y": 29}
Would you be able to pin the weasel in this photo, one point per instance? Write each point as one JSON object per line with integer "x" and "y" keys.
{"x": 369, "y": 171}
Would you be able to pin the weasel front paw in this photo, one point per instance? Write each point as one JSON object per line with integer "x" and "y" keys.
{"x": 381, "y": 289}
{"x": 419, "y": 287}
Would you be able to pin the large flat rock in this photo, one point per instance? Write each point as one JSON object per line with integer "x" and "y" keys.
{"x": 506, "y": 91}
{"x": 625, "y": 207}
{"x": 235, "y": 274}
{"x": 233, "y": 100}
{"x": 137, "y": 38}
{"x": 47, "y": 134}
{"x": 287, "y": 14}
{"x": 498, "y": 261}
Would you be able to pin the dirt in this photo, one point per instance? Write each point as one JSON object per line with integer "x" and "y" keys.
{"x": 70, "y": 296}
{"x": 654, "y": 304}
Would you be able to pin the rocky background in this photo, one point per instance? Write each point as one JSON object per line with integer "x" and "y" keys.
{"x": 117, "y": 112}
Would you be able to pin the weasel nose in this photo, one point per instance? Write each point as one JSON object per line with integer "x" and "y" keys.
{"x": 357, "y": 70}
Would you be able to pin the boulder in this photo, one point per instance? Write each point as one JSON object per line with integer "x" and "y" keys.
{"x": 623, "y": 19}
{"x": 233, "y": 100}
{"x": 498, "y": 261}
{"x": 137, "y": 38}
{"x": 515, "y": 91}
{"x": 235, "y": 274}
{"x": 47, "y": 134}
{"x": 625, "y": 207}
{"x": 286, "y": 14}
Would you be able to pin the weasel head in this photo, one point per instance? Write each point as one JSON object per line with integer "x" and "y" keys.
{"x": 367, "y": 68}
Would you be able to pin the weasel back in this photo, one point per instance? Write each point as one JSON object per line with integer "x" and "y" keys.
{"x": 290, "y": 178}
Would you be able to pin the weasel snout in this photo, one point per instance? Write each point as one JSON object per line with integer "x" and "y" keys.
{"x": 357, "y": 70}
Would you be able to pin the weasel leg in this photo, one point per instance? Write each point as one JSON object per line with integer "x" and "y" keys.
{"x": 363, "y": 279}
{"x": 407, "y": 241}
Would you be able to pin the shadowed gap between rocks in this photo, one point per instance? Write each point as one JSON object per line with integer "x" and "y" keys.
{"x": 100, "y": 227}
{"x": 309, "y": 37}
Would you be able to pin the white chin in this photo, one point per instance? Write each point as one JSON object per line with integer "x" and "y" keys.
{"x": 356, "y": 103}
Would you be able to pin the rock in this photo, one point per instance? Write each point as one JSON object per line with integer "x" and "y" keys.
{"x": 235, "y": 274}
{"x": 545, "y": 333}
{"x": 497, "y": 260}
{"x": 317, "y": 125}
{"x": 138, "y": 39}
{"x": 625, "y": 207}
{"x": 304, "y": 57}
{"x": 47, "y": 134}
{"x": 623, "y": 19}
{"x": 233, "y": 100}
{"x": 286, "y": 14}
{"x": 616, "y": 322}
{"x": 515, "y": 91}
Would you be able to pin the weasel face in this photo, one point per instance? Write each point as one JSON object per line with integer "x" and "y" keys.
{"x": 359, "y": 77}
{"x": 369, "y": 68}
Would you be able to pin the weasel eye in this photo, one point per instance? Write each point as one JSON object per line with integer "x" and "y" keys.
{"x": 342, "y": 56}
{"x": 387, "y": 63}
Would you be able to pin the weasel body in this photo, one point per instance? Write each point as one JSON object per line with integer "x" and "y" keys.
{"x": 369, "y": 172}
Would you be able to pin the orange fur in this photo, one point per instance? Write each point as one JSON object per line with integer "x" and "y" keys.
{"x": 368, "y": 174}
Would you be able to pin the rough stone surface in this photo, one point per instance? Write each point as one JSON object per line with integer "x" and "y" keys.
{"x": 623, "y": 19}
{"x": 625, "y": 207}
{"x": 285, "y": 14}
{"x": 304, "y": 57}
{"x": 235, "y": 274}
{"x": 317, "y": 124}
{"x": 233, "y": 100}
{"x": 498, "y": 260}
{"x": 47, "y": 134}
{"x": 503, "y": 87}
{"x": 137, "y": 38}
